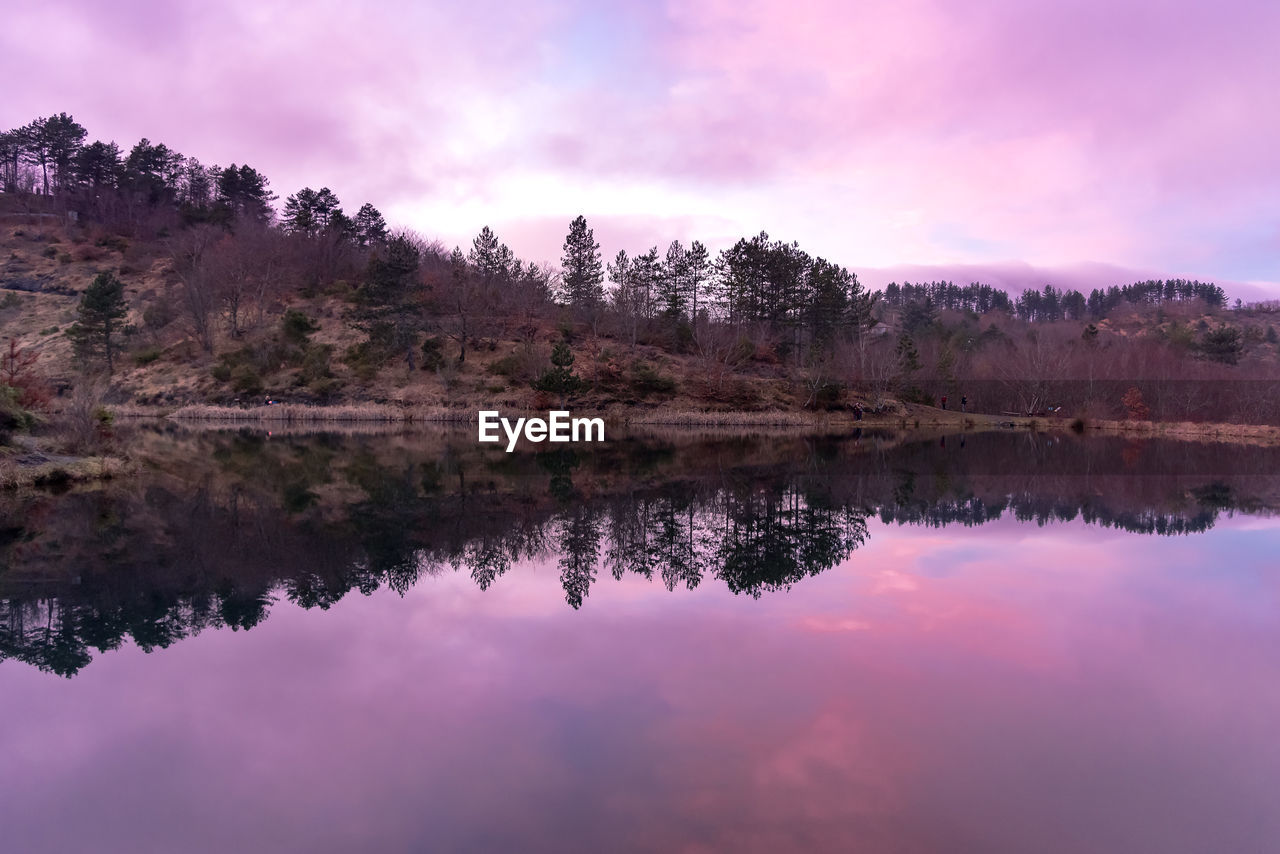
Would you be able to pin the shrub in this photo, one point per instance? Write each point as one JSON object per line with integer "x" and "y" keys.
{"x": 365, "y": 358}
{"x": 50, "y": 252}
{"x": 645, "y": 379}
{"x": 1135, "y": 406}
{"x": 65, "y": 258}
{"x": 297, "y": 327}
{"x": 159, "y": 314}
{"x": 315, "y": 364}
{"x": 1223, "y": 344}
{"x": 113, "y": 242}
{"x": 84, "y": 425}
{"x": 146, "y": 356}
{"x": 246, "y": 380}
{"x": 559, "y": 378}
{"x": 432, "y": 354}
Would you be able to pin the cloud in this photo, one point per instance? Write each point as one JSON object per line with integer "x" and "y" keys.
{"x": 879, "y": 133}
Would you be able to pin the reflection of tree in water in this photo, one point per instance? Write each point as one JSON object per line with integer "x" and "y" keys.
{"x": 164, "y": 560}
{"x": 772, "y": 539}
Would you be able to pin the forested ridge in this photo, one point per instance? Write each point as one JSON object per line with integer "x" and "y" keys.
{"x": 181, "y": 282}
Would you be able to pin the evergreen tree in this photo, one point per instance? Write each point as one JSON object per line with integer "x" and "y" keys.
{"x": 907, "y": 355}
{"x": 312, "y": 212}
{"x": 583, "y": 271}
{"x": 828, "y": 304}
{"x": 673, "y": 281}
{"x": 698, "y": 270}
{"x": 559, "y": 379}
{"x": 370, "y": 227}
{"x": 52, "y": 144}
{"x": 490, "y": 258}
{"x": 1223, "y": 344}
{"x": 389, "y": 300}
{"x": 100, "y": 330}
{"x": 625, "y": 302}
{"x": 645, "y": 272}
{"x": 98, "y": 166}
{"x": 243, "y": 192}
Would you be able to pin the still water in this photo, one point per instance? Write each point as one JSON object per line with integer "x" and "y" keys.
{"x": 331, "y": 643}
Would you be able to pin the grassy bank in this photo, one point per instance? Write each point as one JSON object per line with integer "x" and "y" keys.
{"x": 907, "y": 418}
{"x": 289, "y": 413}
{"x": 17, "y": 473}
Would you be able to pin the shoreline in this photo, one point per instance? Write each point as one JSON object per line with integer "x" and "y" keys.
{"x": 910, "y": 418}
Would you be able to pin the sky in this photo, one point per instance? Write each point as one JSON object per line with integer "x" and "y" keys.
{"x": 1018, "y": 142}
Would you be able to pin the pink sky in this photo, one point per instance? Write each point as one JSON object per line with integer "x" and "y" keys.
{"x": 1012, "y": 137}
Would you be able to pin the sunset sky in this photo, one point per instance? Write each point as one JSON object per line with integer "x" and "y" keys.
{"x": 1081, "y": 143}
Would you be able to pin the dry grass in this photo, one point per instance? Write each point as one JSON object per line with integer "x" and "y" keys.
{"x": 14, "y": 475}
{"x": 1250, "y": 434}
{"x": 694, "y": 418}
{"x": 289, "y": 413}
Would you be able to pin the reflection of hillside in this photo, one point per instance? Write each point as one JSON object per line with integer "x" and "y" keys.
{"x": 223, "y": 524}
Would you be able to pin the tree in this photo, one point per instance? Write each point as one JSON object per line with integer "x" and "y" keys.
{"x": 190, "y": 250}
{"x": 389, "y": 309}
{"x": 152, "y": 173}
{"x": 828, "y": 300}
{"x": 370, "y": 227}
{"x": 13, "y": 147}
{"x": 673, "y": 294}
{"x": 1135, "y": 406}
{"x": 487, "y": 257}
{"x": 311, "y": 212}
{"x": 626, "y": 300}
{"x": 559, "y": 379}
{"x": 52, "y": 143}
{"x": 646, "y": 270}
{"x": 243, "y": 192}
{"x": 697, "y": 269}
{"x": 98, "y": 166}
{"x": 1223, "y": 344}
{"x": 583, "y": 271}
{"x": 462, "y": 299}
{"x": 99, "y": 332}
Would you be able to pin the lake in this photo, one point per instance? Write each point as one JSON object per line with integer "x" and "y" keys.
{"x": 402, "y": 641}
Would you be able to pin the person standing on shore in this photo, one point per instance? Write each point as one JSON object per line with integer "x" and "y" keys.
{"x": 944, "y": 401}
{"x": 964, "y": 402}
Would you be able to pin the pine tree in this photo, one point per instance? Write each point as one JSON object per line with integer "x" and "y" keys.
{"x": 673, "y": 281}
{"x": 370, "y": 227}
{"x": 698, "y": 270}
{"x": 490, "y": 257}
{"x": 626, "y": 301}
{"x": 559, "y": 379}
{"x": 583, "y": 271}
{"x": 99, "y": 332}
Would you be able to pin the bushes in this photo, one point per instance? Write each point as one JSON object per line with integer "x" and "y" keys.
{"x": 146, "y": 356}
{"x": 246, "y": 380}
{"x": 112, "y": 242}
{"x": 248, "y": 369}
{"x": 645, "y": 379}
{"x": 297, "y": 327}
{"x": 559, "y": 379}
{"x": 432, "y": 354}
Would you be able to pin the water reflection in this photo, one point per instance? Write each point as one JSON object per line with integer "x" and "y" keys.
{"x": 221, "y": 525}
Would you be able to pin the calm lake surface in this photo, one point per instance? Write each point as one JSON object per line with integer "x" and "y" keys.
{"x": 402, "y": 642}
